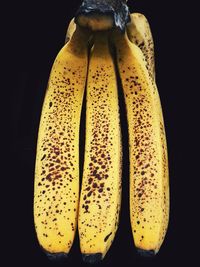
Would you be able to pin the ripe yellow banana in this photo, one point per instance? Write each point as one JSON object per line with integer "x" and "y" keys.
{"x": 101, "y": 185}
{"x": 149, "y": 186}
{"x": 56, "y": 188}
{"x": 139, "y": 33}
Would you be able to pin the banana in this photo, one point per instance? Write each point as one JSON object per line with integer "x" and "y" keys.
{"x": 149, "y": 182}
{"x": 139, "y": 33}
{"x": 56, "y": 189}
{"x": 101, "y": 184}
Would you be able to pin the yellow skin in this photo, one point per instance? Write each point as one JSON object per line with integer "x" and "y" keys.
{"x": 56, "y": 188}
{"x": 149, "y": 186}
{"x": 101, "y": 185}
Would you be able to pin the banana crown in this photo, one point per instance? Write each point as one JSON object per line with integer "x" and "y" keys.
{"x": 103, "y": 14}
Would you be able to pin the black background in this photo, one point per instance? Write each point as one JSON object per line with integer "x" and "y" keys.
{"x": 35, "y": 32}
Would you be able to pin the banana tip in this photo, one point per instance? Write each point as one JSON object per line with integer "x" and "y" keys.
{"x": 57, "y": 256}
{"x": 92, "y": 258}
{"x": 146, "y": 253}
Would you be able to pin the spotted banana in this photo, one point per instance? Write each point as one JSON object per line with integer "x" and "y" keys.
{"x": 149, "y": 186}
{"x": 101, "y": 184}
{"x": 56, "y": 191}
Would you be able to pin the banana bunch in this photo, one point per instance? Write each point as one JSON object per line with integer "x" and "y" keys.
{"x": 95, "y": 47}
